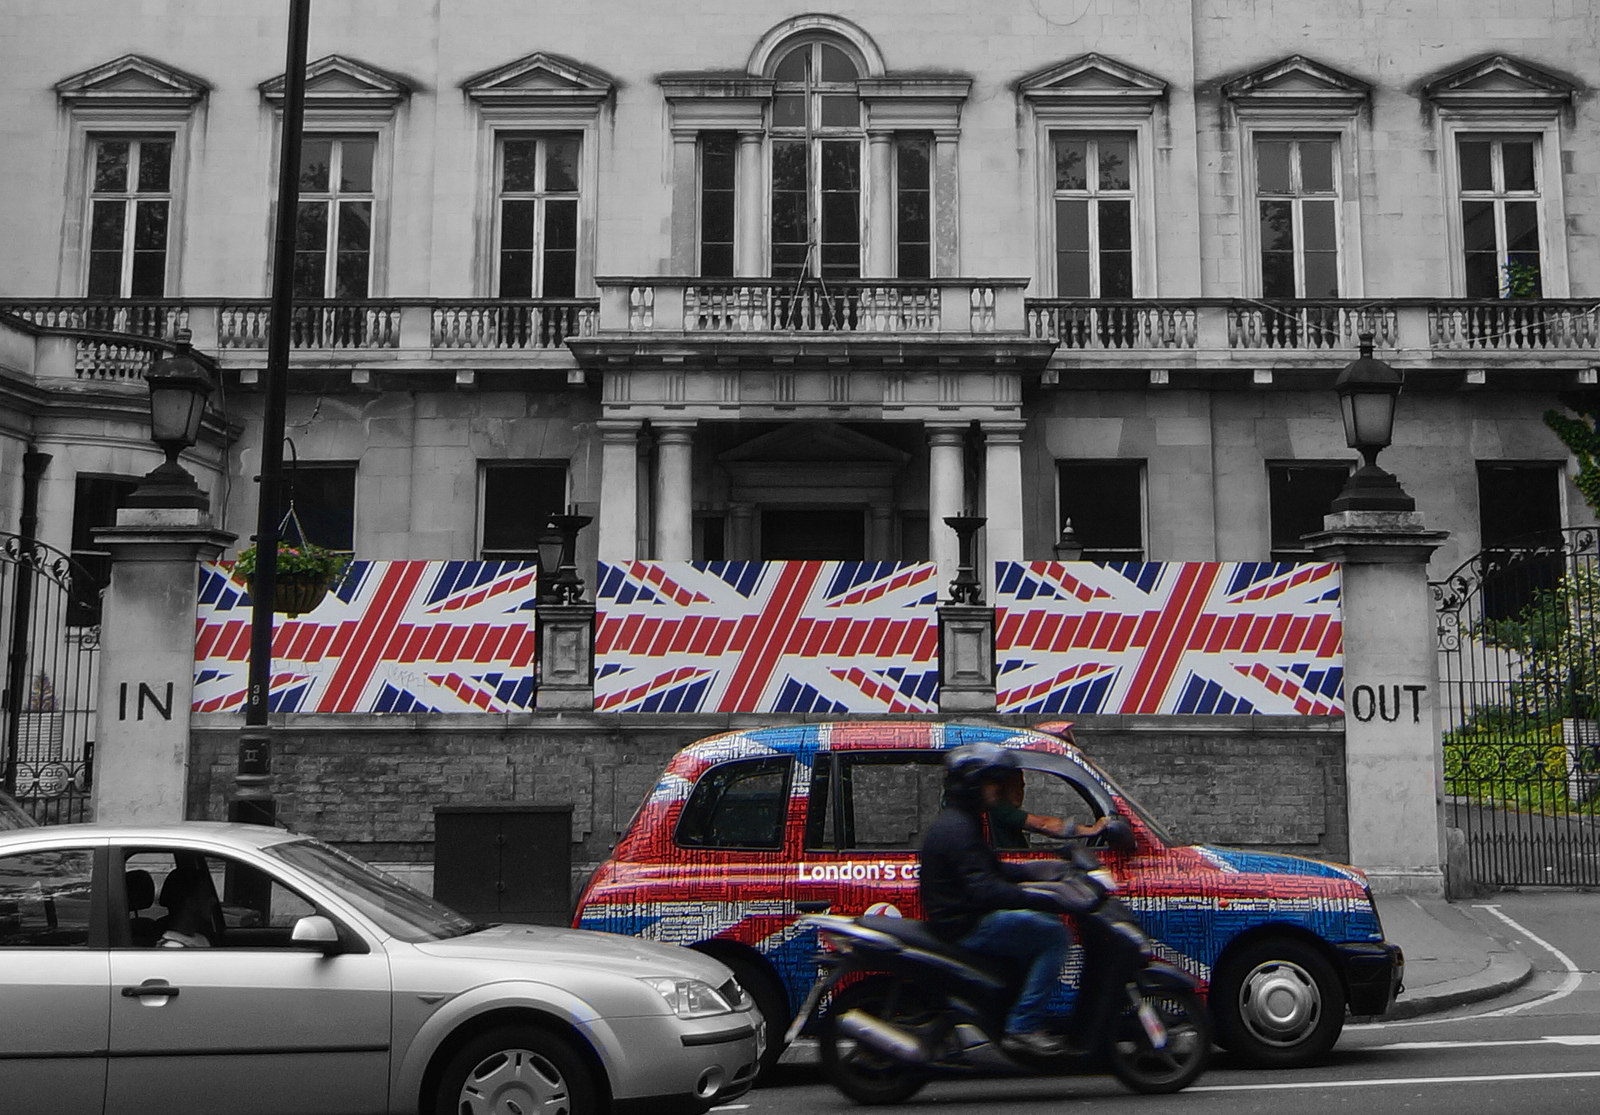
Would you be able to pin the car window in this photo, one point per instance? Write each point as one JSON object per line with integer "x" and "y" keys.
{"x": 739, "y": 805}
{"x": 13, "y": 816}
{"x": 208, "y": 901}
{"x": 44, "y": 899}
{"x": 888, "y": 800}
{"x": 1043, "y": 794}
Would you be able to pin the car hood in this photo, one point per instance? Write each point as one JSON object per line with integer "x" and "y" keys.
{"x": 1241, "y": 862}
{"x": 580, "y": 948}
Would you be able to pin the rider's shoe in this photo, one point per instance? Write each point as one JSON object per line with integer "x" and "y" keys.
{"x": 1034, "y": 1043}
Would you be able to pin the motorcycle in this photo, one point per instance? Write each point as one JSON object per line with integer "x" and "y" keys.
{"x": 910, "y": 1006}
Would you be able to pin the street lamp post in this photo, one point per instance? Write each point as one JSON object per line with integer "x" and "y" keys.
{"x": 966, "y": 588}
{"x": 1367, "y": 389}
{"x": 1068, "y": 547}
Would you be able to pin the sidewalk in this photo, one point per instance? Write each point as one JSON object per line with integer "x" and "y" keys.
{"x": 1450, "y": 959}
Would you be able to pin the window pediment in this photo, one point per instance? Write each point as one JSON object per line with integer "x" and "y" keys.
{"x": 1092, "y": 80}
{"x": 1498, "y": 82}
{"x": 1297, "y": 83}
{"x": 343, "y": 82}
{"x": 540, "y": 79}
{"x": 133, "y": 81}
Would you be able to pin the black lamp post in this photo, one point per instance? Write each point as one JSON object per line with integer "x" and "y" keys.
{"x": 966, "y": 588}
{"x": 1068, "y": 547}
{"x": 558, "y": 558}
{"x": 180, "y": 386}
{"x": 1367, "y": 389}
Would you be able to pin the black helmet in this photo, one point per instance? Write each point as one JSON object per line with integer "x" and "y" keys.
{"x": 971, "y": 765}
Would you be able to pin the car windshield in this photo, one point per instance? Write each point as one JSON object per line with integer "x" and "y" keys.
{"x": 397, "y": 909}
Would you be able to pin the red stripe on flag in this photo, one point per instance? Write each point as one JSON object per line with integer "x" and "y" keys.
{"x": 1178, "y": 615}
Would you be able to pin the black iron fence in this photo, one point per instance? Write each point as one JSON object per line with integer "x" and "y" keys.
{"x": 47, "y": 706}
{"x": 1519, "y": 643}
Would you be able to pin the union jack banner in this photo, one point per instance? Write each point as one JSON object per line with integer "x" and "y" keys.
{"x": 1169, "y": 637}
{"x": 777, "y": 636}
{"x": 396, "y": 636}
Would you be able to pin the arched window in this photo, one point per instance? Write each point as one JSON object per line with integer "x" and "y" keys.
{"x": 817, "y": 150}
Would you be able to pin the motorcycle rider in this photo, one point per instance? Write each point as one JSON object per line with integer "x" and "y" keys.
{"x": 970, "y": 898}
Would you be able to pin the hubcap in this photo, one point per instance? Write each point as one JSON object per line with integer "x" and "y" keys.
{"x": 515, "y": 1082}
{"x": 1280, "y": 1003}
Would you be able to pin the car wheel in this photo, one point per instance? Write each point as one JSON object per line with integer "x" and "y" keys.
{"x": 516, "y": 1068}
{"x": 1278, "y": 1003}
{"x": 771, "y": 1001}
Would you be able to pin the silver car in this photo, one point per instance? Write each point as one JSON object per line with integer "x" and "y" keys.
{"x": 13, "y": 816}
{"x": 210, "y": 967}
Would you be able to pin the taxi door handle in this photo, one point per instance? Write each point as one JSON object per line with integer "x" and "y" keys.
{"x": 813, "y": 906}
{"x": 165, "y": 990}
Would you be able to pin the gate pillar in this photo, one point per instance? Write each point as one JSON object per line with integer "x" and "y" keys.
{"x": 147, "y": 661}
{"x": 1394, "y": 771}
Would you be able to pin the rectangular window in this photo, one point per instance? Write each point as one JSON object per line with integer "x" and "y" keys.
{"x": 1500, "y": 215}
{"x": 1093, "y": 216}
{"x": 739, "y": 805}
{"x": 45, "y": 899}
{"x": 324, "y": 498}
{"x": 900, "y": 795}
{"x": 835, "y": 253}
{"x": 1105, "y": 501}
{"x": 913, "y": 182}
{"x": 130, "y": 204}
{"x": 1299, "y": 495}
{"x": 1519, "y": 509}
{"x": 518, "y": 499}
{"x": 1297, "y": 197}
{"x": 537, "y": 204}
{"x": 95, "y": 500}
{"x": 717, "y": 203}
{"x": 333, "y": 228}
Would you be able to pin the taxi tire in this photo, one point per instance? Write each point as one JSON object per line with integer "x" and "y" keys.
{"x": 552, "y": 1058}
{"x": 1300, "y": 970}
{"x": 771, "y": 1000}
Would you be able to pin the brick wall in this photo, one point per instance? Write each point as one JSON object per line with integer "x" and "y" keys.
{"x": 370, "y": 784}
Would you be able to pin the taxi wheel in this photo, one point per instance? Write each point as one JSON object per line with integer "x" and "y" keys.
{"x": 771, "y": 1001}
{"x": 1278, "y": 1003}
{"x": 516, "y": 1068}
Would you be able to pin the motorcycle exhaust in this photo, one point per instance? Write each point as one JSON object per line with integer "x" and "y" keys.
{"x": 882, "y": 1036}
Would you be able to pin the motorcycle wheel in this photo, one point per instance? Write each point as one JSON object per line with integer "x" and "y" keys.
{"x": 860, "y": 1072}
{"x": 1143, "y": 1067}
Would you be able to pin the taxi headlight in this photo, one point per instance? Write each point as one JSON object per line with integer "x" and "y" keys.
{"x": 689, "y": 998}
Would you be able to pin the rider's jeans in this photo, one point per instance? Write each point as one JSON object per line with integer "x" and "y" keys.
{"x": 1038, "y": 940}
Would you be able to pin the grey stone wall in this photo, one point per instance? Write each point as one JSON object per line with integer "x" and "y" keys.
{"x": 370, "y": 783}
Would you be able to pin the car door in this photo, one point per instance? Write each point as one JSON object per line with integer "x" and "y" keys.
{"x": 54, "y": 979}
{"x": 252, "y": 1023}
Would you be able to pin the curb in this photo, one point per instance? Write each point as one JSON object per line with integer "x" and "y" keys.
{"x": 1506, "y": 971}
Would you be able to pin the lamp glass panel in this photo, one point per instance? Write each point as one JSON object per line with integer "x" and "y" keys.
{"x": 1373, "y": 416}
{"x": 175, "y": 412}
{"x": 550, "y": 547}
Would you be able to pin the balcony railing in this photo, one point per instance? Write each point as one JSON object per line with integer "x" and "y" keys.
{"x": 1310, "y": 324}
{"x": 349, "y": 324}
{"x": 506, "y": 324}
{"x": 1514, "y": 325}
{"x": 155, "y": 318}
{"x": 1114, "y": 323}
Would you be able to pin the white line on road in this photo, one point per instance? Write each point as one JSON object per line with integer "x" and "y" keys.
{"x": 1568, "y": 985}
{"x": 1496, "y": 1078}
{"x": 1563, "y": 1039}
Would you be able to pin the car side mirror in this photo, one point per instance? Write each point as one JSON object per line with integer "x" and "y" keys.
{"x": 316, "y": 932}
{"x": 1119, "y": 834}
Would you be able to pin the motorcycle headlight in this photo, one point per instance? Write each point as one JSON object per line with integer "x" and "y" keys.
{"x": 690, "y": 998}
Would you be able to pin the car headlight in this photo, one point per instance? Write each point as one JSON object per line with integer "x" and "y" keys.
{"x": 690, "y": 998}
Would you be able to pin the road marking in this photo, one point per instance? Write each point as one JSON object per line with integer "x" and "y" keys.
{"x": 1568, "y": 985}
{"x": 1404, "y": 1080}
{"x": 1572, "y": 1039}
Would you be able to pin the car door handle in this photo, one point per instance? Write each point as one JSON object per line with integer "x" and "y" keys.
{"x": 813, "y": 906}
{"x": 163, "y": 989}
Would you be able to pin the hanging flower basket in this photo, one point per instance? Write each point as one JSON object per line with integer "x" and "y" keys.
{"x": 305, "y": 574}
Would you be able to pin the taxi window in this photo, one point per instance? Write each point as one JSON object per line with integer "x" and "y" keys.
{"x": 888, "y": 801}
{"x": 740, "y": 805}
{"x": 1042, "y": 794}
{"x": 44, "y": 899}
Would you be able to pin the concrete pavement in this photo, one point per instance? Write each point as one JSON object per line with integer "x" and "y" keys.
{"x": 1450, "y": 958}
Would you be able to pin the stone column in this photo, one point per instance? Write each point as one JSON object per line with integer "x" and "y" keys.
{"x": 750, "y": 239}
{"x": 1394, "y": 769}
{"x": 741, "y": 532}
{"x": 619, "y": 489}
{"x": 146, "y": 687}
{"x": 880, "y": 214}
{"x": 946, "y": 204}
{"x": 946, "y": 484}
{"x": 674, "y": 490}
{"x": 685, "y": 196}
{"x": 1002, "y": 496}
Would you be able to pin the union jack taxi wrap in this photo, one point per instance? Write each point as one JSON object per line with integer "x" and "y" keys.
{"x": 395, "y": 636}
{"x": 1196, "y": 901}
{"x": 1169, "y": 637}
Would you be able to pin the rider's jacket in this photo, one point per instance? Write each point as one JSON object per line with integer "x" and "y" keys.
{"x": 962, "y": 879}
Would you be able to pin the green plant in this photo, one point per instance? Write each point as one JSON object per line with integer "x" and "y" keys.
{"x": 304, "y": 561}
{"x": 1521, "y": 279}
{"x": 1581, "y": 435}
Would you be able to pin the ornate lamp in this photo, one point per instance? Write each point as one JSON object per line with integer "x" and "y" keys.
{"x": 180, "y": 387}
{"x": 558, "y": 552}
{"x": 1068, "y": 547}
{"x": 966, "y": 588}
{"x": 1367, "y": 389}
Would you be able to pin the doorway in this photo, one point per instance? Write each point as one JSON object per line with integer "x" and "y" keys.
{"x": 798, "y": 534}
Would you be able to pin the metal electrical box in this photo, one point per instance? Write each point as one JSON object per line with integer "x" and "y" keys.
{"x": 504, "y": 862}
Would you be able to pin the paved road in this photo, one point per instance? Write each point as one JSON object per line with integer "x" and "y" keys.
{"x": 1537, "y": 1049}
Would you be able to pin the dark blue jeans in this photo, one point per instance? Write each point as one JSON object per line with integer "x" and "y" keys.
{"x": 1036, "y": 939}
